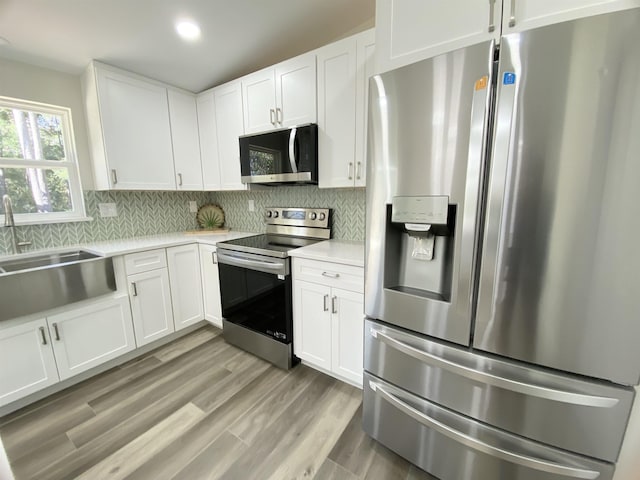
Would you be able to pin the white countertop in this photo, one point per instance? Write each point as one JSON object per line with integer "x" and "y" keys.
{"x": 110, "y": 248}
{"x": 336, "y": 251}
{"x": 139, "y": 244}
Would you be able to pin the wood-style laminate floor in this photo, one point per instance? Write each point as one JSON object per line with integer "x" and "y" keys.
{"x": 199, "y": 408}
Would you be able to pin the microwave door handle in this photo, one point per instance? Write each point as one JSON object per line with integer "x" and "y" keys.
{"x": 292, "y": 150}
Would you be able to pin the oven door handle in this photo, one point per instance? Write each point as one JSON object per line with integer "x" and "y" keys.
{"x": 238, "y": 261}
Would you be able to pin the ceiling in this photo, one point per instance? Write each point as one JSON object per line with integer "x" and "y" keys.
{"x": 238, "y": 36}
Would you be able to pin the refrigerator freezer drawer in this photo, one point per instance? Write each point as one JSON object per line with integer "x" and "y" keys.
{"x": 568, "y": 412}
{"x": 453, "y": 447}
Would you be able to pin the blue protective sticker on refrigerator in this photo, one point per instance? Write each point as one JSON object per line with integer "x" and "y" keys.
{"x": 509, "y": 78}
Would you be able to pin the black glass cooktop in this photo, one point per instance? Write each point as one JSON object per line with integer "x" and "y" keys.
{"x": 267, "y": 244}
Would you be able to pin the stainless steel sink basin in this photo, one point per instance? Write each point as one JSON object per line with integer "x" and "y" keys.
{"x": 35, "y": 283}
{"x": 45, "y": 260}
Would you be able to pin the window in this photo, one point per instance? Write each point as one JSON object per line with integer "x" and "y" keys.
{"x": 38, "y": 165}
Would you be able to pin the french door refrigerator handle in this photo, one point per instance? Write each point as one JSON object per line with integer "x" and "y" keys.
{"x": 471, "y": 442}
{"x": 497, "y": 193}
{"x": 292, "y": 150}
{"x": 516, "y": 386}
{"x": 469, "y": 215}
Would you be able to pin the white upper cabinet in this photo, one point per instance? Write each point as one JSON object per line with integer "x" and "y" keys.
{"x": 344, "y": 68}
{"x": 411, "y": 30}
{"x": 520, "y": 15}
{"x": 208, "y": 140}
{"x": 184, "y": 136}
{"x": 220, "y": 123}
{"x": 281, "y": 96}
{"x": 129, "y": 130}
{"x": 229, "y": 126}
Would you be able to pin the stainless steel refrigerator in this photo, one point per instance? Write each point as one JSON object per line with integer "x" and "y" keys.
{"x": 502, "y": 295}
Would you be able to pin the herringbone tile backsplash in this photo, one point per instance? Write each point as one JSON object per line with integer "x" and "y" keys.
{"x": 148, "y": 213}
{"x": 347, "y": 204}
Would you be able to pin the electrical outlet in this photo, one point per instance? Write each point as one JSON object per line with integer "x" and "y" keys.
{"x": 193, "y": 206}
{"x": 108, "y": 210}
{"x": 252, "y": 206}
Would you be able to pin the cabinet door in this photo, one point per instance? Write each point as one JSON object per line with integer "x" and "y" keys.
{"x": 312, "y": 323}
{"x": 230, "y": 125}
{"x": 296, "y": 91}
{"x": 412, "y": 30}
{"x": 208, "y": 140}
{"x": 337, "y": 66}
{"x": 137, "y": 135}
{"x": 347, "y": 334}
{"x": 210, "y": 285}
{"x": 365, "y": 44}
{"x": 151, "y": 305}
{"x": 88, "y": 336}
{"x": 519, "y": 15}
{"x": 185, "y": 141}
{"x": 258, "y": 99}
{"x": 26, "y": 360}
{"x": 186, "y": 285}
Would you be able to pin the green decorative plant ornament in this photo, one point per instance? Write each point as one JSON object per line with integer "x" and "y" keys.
{"x": 210, "y": 217}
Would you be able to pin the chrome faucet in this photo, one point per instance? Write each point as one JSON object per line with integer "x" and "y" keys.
{"x": 10, "y": 222}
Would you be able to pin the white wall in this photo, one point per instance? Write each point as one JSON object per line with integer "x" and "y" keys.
{"x": 27, "y": 82}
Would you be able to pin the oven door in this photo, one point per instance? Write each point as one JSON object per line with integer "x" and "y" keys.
{"x": 256, "y": 293}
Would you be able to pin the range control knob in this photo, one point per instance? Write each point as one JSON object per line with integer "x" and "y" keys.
{"x": 322, "y": 216}
{"x": 269, "y": 213}
{"x": 313, "y": 215}
{"x": 276, "y": 214}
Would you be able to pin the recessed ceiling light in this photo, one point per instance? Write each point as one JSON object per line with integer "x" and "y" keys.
{"x": 188, "y": 30}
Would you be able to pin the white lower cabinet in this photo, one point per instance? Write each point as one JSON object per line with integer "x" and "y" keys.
{"x": 151, "y": 305}
{"x": 26, "y": 360}
{"x": 75, "y": 340}
{"x": 328, "y": 321}
{"x": 88, "y": 336}
{"x": 210, "y": 285}
{"x": 186, "y": 285}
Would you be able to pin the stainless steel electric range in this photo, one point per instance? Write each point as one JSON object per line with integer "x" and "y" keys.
{"x": 255, "y": 282}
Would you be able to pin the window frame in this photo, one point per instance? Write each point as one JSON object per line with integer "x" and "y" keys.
{"x": 78, "y": 212}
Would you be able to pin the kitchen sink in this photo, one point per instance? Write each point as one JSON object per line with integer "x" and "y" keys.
{"x": 45, "y": 260}
{"x": 35, "y": 283}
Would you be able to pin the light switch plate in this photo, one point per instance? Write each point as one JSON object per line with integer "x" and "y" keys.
{"x": 193, "y": 206}
{"x": 108, "y": 210}
{"x": 252, "y": 206}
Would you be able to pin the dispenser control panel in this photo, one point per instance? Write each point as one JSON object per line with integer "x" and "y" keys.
{"x": 432, "y": 210}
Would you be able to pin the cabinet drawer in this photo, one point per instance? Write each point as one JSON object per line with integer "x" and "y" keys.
{"x": 145, "y": 261}
{"x": 338, "y": 275}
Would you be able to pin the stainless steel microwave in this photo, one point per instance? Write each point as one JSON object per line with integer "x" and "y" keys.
{"x": 281, "y": 156}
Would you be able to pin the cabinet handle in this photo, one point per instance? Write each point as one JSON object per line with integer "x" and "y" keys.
{"x": 358, "y": 170}
{"x": 55, "y": 329}
{"x": 492, "y": 6}
{"x": 114, "y": 176}
{"x": 326, "y": 307}
{"x": 330, "y": 275}
{"x": 179, "y": 179}
{"x": 279, "y": 115}
{"x": 350, "y": 171}
{"x": 43, "y": 335}
{"x": 214, "y": 258}
{"x": 512, "y": 18}
{"x": 135, "y": 289}
{"x": 334, "y": 307}
{"x": 271, "y": 116}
